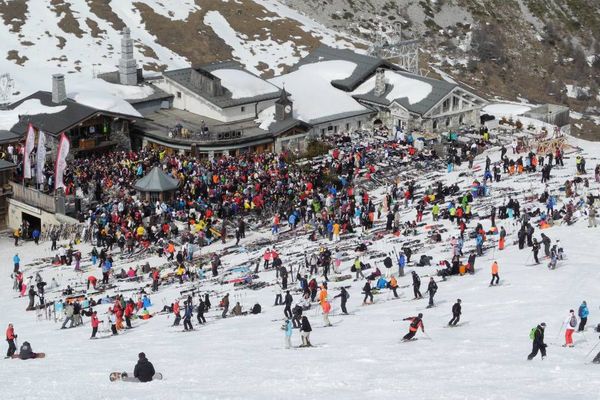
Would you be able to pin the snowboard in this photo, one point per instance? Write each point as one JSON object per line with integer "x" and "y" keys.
{"x": 126, "y": 377}
{"x": 37, "y": 355}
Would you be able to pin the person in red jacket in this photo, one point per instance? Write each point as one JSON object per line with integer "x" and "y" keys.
{"x": 91, "y": 281}
{"x": 129, "y": 308}
{"x": 95, "y": 322}
{"x": 415, "y": 324}
{"x": 177, "y": 313}
{"x": 10, "y": 338}
{"x": 155, "y": 278}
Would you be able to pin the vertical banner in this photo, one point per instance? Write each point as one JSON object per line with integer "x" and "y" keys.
{"x": 29, "y": 144}
{"x": 40, "y": 159}
{"x": 61, "y": 161}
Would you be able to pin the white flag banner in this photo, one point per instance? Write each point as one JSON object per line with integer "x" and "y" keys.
{"x": 61, "y": 161}
{"x": 40, "y": 159}
{"x": 29, "y": 144}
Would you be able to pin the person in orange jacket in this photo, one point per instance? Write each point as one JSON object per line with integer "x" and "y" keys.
{"x": 326, "y": 307}
{"x": 10, "y": 338}
{"x": 415, "y": 324}
{"x": 495, "y": 275}
{"x": 323, "y": 294}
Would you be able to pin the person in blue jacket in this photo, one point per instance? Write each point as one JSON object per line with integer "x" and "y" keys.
{"x": 401, "y": 264}
{"x": 583, "y": 315}
{"x": 187, "y": 316}
{"x": 288, "y": 333}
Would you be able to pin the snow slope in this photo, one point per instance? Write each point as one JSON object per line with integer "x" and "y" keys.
{"x": 360, "y": 357}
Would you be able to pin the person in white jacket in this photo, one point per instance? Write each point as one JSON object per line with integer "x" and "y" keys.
{"x": 570, "y": 325}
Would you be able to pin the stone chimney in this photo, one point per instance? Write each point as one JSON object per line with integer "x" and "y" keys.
{"x": 379, "y": 82}
{"x": 59, "y": 91}
{"x": 127, "y": 64}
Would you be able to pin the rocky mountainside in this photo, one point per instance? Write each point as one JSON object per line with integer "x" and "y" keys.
{"x": 539, "y": 50}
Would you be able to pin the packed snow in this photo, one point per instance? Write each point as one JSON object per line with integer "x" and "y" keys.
{"x": 312, "y": 93}
{"x": 8, "y": 118}
{"x": 242, "y": 84}
{"x": 106, "y": 102}
{"x": 415, "y": 90}
{"x": 265, "y": 118}
{"x": 505, "y": 109}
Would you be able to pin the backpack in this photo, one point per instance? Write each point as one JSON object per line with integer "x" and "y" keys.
{"x": 573, "y": 322}
{"x": 532, "y": 333}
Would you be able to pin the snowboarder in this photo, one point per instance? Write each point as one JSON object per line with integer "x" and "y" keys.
{"x": 495, "y": 275}
{"x": 305, "y": 330}
{"x": 570, "y": 325}
{"x": 431, "y": 289}
{"x": 538, "y": 341}
{"x": 144, "y": 370}
{"x": 416, "y": 285}
{"x": 456, "y": 312}
{"x": 26, "y": 352}
{"x": 583, "y": 313}
{"x": 415, "y": 324}
{"x": 344, "y": 296}
{"x": 10, "y": 338}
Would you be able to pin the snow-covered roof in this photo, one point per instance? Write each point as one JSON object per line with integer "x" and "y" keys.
{"x": 9, "y": 118}
{"x": 243, "y": 84}
{"x": 104, "y": 101}
{"x": 315, "y": 98}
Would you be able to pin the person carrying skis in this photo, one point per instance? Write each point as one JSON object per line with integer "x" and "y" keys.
{"x": 583, "y": 313}
{"x": 94, "y": 322}
{"x": 570, "y": 325}
{"x": 305, "y": 330}
{"x": 495, "y": 275}
{"x": 456, "y": 312}
{"x": 538, "y": 342}
{"x": 367, "y": 292}
{"x": 344, "y": 296}
{"x": 431, "y": 289}
{"x": 416, "y": 285}
{"x": 144, "y": 370}
{"x": 415, "y": 324}
{"x": 288, "y": 333}
{"x": 10, "y": 338}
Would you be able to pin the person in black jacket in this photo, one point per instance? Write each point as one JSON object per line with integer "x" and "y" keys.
{"x": 144, "y": 370}
{"x": 287, "y": 311}
{"x": 297, "y": 316}
{"x": 367, "y": 292}
{"x": 431, "y": 289}
{"x": 538, "y": 342}
{"x": 305, "y": 330}
{"x": 536, "y": 250}
{"x": 201, "y": 310}
{"x": 416, "y": 285}
{"x": 25, "y": 352}
{"x": 344, "y": 298}
{"x": 456, "y": 311}
{"x": 471, "y": 262}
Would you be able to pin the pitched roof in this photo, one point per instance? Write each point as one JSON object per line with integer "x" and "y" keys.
{"x": 156, "y": 181}
{"x": 226, "y": 100}
{"x": 365, "y": 65}
{"x": 4, "y": 165}
{"x": 8, "y": 137}
{"x": 58, "y": 122}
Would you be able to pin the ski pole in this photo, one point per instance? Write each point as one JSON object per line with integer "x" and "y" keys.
{"x": 590, "y": 352}
{"x": 426, "y": 334}
{"x": 561, "y": 327}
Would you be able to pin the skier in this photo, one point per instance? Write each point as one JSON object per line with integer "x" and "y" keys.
{"x": 415, "y": 324}
{"x": 538, "y": 342}
{"x": 495, "y": 275}
{"x": 112, "y": 319}
{"x": 431, "y": 289}
{"x": 367, "y": 292}
{"x": 326, "y": 307}
{"x": 502, "y": 239}
{"x": 305, "y": 330}
{"x": 177, "y": 313}
{"x": 10, "y": 338}
{"x": 570, "y": 325}
{"x": 16, "y": 263}
{"x": 536, "y": 250}
{"x": 456, "y": 312}
{"x": 546, "y": 242}
{"x": 583, "y": 313}
{"x": 358, "y": 268}
{"x": 344, "y": 296}
{"x": 187, "y": 317}
{"x": 416, "y": 285}
{"x": 393, "y": 286}
{"x": 144, "y": 370}
{"x": 94, "y": 322}
{"x": 288, "y": 333}
{"x": 201, "y": 310}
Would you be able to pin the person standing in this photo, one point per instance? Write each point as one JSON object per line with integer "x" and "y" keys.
{"x": 393, "y": 286}
{"x": 570, "y": 325}
{"x": 177, "y": 313}
{"x": 367, "y": 292}
{"x": 16, "y": 263}
{"x": 431, "y": 289}
{"x": 10, "y": 338}
{"x": 538, "y": 342}
{"x": 326, "y": 307}
{"x": 502, "y": 239}
{"x": 495, "y": 275}
{"x": 583, "y": 313}
{"x": 187, "y": 316}
{"x": 225, "y": 304}
{"x": 416, "y": 285}
{"x": 129, "y": 308}
{"x": 536, "y": 250}
{"x": 344, "y": 296}
{"x": 358, "y": 268}
{"x": 287, "y": 311}
{"x": 288, "y": 333}
{"x": 201, "y": 310}
{"x": 95, "y": 323}
{"x": 415, "y": 324}
{"x": 456, "y": 312}
{"x": 305, "y": 330}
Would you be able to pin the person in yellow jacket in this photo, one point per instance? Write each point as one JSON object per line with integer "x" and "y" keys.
{"x": 358, "y": 268}
{"x": 17, "y": 235}
{"x": 336, "y": 232}
{"x": 179, "y": 272}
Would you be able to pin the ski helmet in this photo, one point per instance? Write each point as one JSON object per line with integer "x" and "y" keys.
{"x": 420, "y": 315}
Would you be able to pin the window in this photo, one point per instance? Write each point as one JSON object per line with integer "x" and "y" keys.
{"x": 330, "y": 128}
{"x": 359, "y": 124}
{"x": 335, "y": 129}
{"x": 347, "y": 127}
{"x": 461, "y": 119}
{"x": 447, "y": 121}
{"x": 435, "y": 124}
{"x": 243, "y": 108}
{"x": 178, "y": 95}
{"x": 445, "y": 105}
{"x": 323, "y": 131}
{"x": 455, "y": 102}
